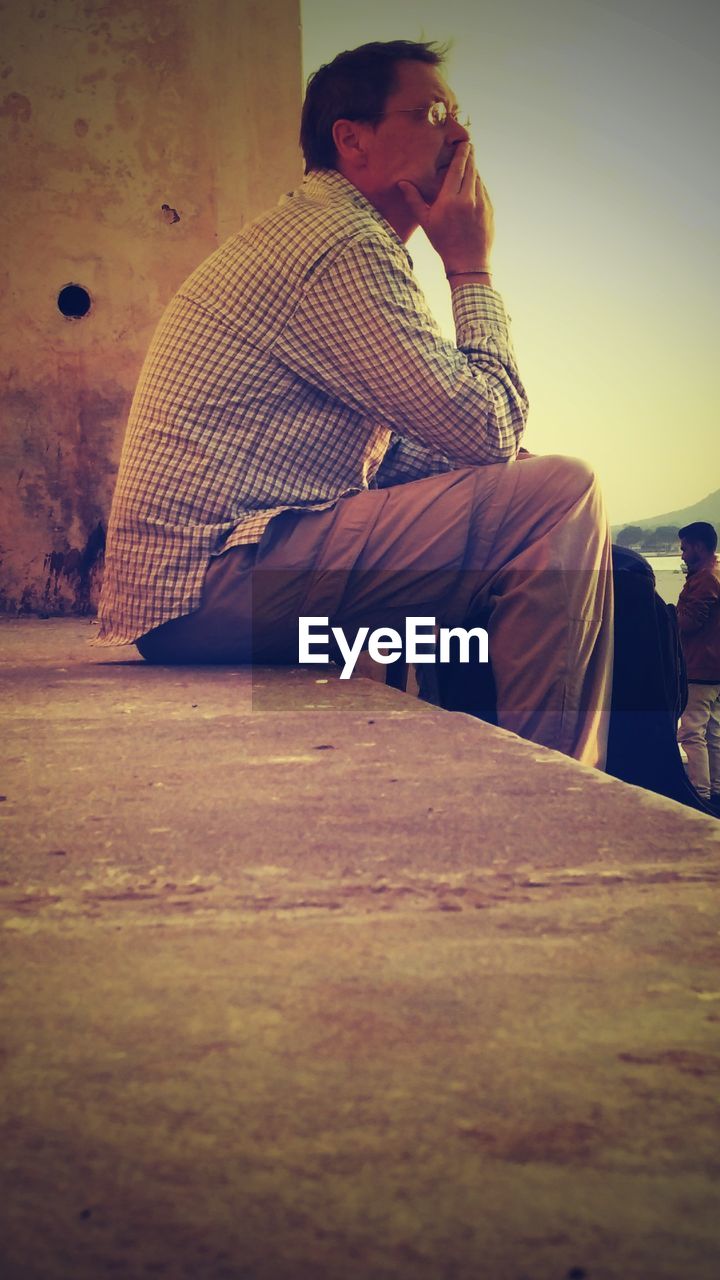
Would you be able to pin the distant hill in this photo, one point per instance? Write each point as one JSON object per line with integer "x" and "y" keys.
{"x": 706, "y": 509}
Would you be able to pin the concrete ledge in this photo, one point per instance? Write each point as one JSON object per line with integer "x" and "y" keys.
{"x": 309, "y": 979}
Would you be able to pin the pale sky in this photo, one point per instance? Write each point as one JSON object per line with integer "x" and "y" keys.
{"x": 596, "y": 126}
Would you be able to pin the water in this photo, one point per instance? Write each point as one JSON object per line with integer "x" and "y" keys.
{"x": 669, "y": 576}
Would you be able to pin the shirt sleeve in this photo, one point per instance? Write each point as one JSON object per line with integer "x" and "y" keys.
{"x": 407, "y": 460}
{"x": 698, "y": 598}
{"x": 364, "y": 334}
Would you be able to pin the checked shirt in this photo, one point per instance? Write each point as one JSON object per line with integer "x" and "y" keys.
{"x": 299, "y": 363}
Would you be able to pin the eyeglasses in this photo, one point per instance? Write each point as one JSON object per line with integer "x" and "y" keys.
{"x": 437, "y": 114}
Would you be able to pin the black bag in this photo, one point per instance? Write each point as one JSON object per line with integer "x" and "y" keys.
{"x": 649, "y": 686}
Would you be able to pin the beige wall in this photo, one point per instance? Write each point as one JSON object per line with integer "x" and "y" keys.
{"x": 110, "y": 110}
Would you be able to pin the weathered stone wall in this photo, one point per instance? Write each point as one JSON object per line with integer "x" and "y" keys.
{"x": 137, "y": 137}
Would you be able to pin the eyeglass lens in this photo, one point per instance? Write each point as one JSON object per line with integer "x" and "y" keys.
{"x": 439, "y": 113}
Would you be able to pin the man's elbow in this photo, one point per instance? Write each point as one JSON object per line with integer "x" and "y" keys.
{"x": 509, "y": 454}
{"x": 687, "y": 625}
{"x": 505, "y": 450}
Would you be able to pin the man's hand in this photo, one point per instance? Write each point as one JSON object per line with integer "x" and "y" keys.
{"x": 459, "y": 223}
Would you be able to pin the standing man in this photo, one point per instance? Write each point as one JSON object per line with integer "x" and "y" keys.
{"x": 698, "y": 612}
{"x": 304, "y": 442}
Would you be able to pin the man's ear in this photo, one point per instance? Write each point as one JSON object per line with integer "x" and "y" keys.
{"x": 350, "y": 137}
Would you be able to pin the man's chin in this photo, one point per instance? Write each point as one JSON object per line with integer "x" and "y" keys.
{"x": 428, "y": 188}
{"x": 432, "y": 187}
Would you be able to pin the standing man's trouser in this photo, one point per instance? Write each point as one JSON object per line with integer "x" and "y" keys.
{"x": 522, "y": 547}
{"x": 699, "y": 734}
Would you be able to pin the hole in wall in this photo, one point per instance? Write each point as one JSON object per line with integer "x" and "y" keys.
{"x": 74, "y": 301}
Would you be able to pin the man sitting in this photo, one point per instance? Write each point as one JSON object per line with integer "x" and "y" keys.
{"x": 304, "y": 442}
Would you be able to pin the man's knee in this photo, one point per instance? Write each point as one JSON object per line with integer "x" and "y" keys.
{"x": 559, "y": 486}
{"x": 573, "y": 474}
{"x": 693, "y": 730}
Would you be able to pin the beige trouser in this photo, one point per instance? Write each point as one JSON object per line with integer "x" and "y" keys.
{"x": 699, "y": 734}
{"x": 520, "y": 547}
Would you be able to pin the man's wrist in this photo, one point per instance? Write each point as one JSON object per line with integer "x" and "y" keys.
{"x": 478, "y": 265}
{"x": 476, "y": 275}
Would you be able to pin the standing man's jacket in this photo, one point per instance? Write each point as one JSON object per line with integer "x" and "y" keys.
{"x": 698, "y": 611}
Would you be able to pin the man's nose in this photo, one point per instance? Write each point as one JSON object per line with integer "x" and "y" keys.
{"x": 458, "y": 132}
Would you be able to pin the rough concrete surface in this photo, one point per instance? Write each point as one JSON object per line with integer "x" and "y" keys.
{"x": 304, "y": 978}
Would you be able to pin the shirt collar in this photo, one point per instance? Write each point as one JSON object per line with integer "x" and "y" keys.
{"x": 712, "y": 565}
{"x": 329, "y": 185}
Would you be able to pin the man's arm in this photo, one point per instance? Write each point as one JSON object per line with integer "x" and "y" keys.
{"x": 698, "y": 598}
{"x": 407, "y": 460}
{"x": 363, "y": 334}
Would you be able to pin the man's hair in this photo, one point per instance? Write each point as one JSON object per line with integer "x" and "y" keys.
{"x": 700, "y": 531}
{"x": 354, "y": 86}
